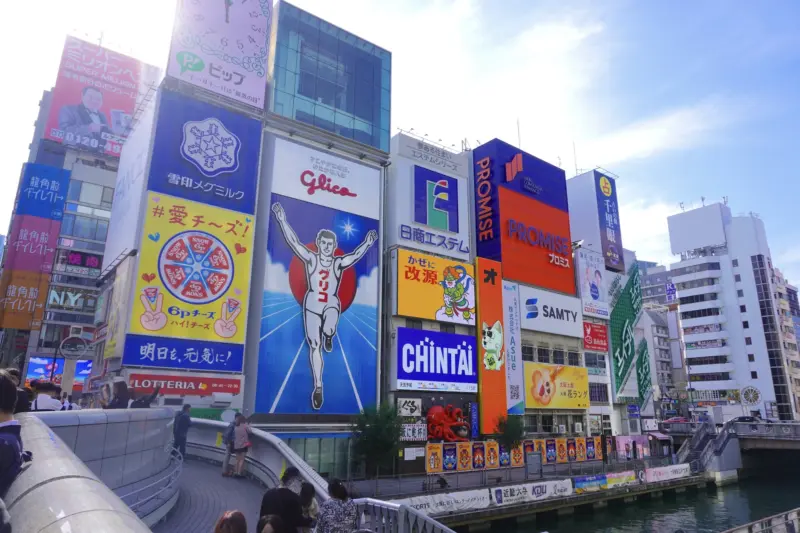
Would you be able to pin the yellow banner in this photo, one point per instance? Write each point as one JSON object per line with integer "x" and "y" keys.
{"x": 561, "y": 451}
{"x": 517, "y": 457}
{"x": 492, "y": 454}
{"x": 556, "y": 386}
{"x": 464, "y": 456}
{"x": 194, "y": 271}
{"x": 433, "y": 288}
{"x": 433, "y": 458}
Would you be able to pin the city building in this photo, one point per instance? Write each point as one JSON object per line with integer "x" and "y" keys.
{"x": 791, "y": 296}
{"x": 657, "y": 289}
{"x": 729, "y": 314}
{"x": 787, "y": 333}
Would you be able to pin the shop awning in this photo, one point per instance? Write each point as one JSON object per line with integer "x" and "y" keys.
{"x": 659, "y": 435}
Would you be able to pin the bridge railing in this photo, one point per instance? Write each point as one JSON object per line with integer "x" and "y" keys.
{"x": 772, "y": 430}
{"x": 779, "y": 523}
{"x": 388, "y": 517}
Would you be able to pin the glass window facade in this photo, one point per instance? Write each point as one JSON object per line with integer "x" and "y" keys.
{"x": 331, "y": 79}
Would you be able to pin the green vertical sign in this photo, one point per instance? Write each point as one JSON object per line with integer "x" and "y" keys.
{"x": 643, "y": 376}
{"x": 623, "y": 319}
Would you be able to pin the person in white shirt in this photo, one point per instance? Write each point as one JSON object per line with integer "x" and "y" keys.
{"x": 68, "y": 405}
{"x": 46, "y": 399}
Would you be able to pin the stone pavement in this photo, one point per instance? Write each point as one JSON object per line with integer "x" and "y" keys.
{"x": 205, "y": 495}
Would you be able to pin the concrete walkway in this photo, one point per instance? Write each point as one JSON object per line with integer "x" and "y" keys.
{"x": 205, "y": 495}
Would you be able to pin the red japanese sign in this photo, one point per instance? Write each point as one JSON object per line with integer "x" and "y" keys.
{"x": 595, "y": 337}
{"x": 185, "y": 385}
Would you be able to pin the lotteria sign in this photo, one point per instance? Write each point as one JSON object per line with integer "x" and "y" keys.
{"x": 430, "y": 360}
{"x": 549, "y": 312}
{"x": 623, "y": 319}
{"x": 185, "y": 385}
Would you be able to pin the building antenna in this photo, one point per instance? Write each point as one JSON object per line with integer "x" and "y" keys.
{"x": 703, "y": 200}
{"x": 100, "y": 39}
{"x": 519, "y": 136}
{"x": 575, "y": 157}
{"x": 682, "y": 208}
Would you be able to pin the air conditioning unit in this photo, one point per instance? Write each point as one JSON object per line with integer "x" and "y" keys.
{"x": 221, "y": 400}
{"x": 562, "y": 428}
{"x": 578, "y": 427}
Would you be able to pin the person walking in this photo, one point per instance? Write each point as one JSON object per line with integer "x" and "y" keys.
{"x": 180, "y": 428}
{"x": 270, "y": 523}
{"x": 121, "y": 397}
{"x": 285, "y": 502}
{"x": 231, "y": 522}
{"x": 338, "y": 514}
{"x": 12, "y": 455}
{"x": 241, "y": 443}
{"x": 308, "y": 501}
{"x": 46, "y": 398}
{"x": 227, "y": 442}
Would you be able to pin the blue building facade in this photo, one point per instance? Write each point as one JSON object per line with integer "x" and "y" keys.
{"x": 329, "y": 78}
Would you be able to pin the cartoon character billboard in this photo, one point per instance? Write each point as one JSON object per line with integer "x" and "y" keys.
{"x": 556, "y": 386}
{"x": 192, "y": 283}
{"x": 318, "y": 351}
{"x": 434, "y": 288}
{"x": 491, "y": 345}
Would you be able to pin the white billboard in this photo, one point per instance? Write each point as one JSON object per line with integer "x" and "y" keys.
{"x": 223, "y": 47}
{"x": 593, "y": 283}
{"x": 428, "y": 208}
{"x": 550, "y": 312}
{"x": 515, "y": 377}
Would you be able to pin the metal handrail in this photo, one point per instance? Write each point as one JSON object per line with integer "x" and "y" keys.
{"x": 388, "y": 517}
{"x": 172, "y": 478}
{"x": 778, "y": 523}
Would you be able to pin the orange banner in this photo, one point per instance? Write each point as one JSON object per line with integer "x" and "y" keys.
{"x": 433, "y": 458}
{"x": 24, "y": 295}
{"x": 491, "y": 345}
{"x": 598, "y": 448}
{"x": 492, "y": 454}
{"x": 517, "y": 457}
{"x": 561, "y": 451}
{"x": 580, "y": 446}
{"x": 464, "y": 450}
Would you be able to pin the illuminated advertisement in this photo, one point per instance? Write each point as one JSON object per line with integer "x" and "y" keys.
{"x": 556, "y": 386}
{"x": 223, "y": 47}
{"x": 593, "y": 283}
{"x": 610, "y": 231}
{"x": 95, "y": 97}
{"x": 118, "y": 308}
{"x": 78, "y": 263}
{"x": 497, "y": 164}
{"x": 515, "y": 378}
{"x": 23, "y": 296}
{"x": 434, "y": 288}
{"x": 595, "y": 337}
{"x": 184, "y": 384}
{"x": 319, "y": 319}
{"x": 623, "y": 319}
{"x": 491, "y": 345}
{"x": 205, "y": 153}
{"x": 83, "y": 369}
{"x": 550, "y": 312}
{"x": 32, "y": 243}
{"x": 193, "y": 283}
{"x": 42, "y": 191}
{"x": 536, "y": 243}
{"x": 44, "y": 369}
{"x": 431, "y": 360}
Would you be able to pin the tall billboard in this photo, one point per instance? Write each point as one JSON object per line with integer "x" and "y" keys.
{"x": 434, "y": 361}
{"x": 96, "y": 96}
{"x": 624, "y": 315}
{"x": 223, "y": 47}
{"x": 192, "y": 286}
{"x": 593, "y": 283}
{"x": 42, "y": 191}
{"x": 23, "y": 299}
{"x": 318, "y": 352}
{"x": 32, "y": 243}
{"x": 515, "y": 385}
{"x": 434, "y": 288}
{"x": 608, "y": 212}
{"x": 556, "y": 386}
{"x": 119, "y": 308}
{"x": 492, "y": 346}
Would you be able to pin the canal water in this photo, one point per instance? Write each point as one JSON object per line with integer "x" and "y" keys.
{"x": 709, "y": 510}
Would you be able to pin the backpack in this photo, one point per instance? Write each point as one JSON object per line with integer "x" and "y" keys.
{"x": 67, "y": 407}
{"x": 10, "y": 471}
{"x": 227, "y": 436}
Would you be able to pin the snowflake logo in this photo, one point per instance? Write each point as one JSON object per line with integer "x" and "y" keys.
{"x": 210, "y": 146}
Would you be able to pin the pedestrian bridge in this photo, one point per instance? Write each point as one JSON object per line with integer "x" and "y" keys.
{"x": 115, "y": 471}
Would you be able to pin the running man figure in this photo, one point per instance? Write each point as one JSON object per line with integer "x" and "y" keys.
{"x": 321, "y": 306}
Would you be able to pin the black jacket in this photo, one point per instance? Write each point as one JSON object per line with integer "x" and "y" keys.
{"x": 181, "y": 427}
{"x": 286, "y": 504}
{"x": 23, "y": 402}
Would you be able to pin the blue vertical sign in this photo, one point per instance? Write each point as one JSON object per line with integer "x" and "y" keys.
{"x": 43, "y": 191}
{"x": 608, "y": 212}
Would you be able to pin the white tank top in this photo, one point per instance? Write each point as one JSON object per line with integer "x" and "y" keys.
{"x": 323, "y": 287}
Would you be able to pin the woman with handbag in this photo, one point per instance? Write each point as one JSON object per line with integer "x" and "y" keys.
{"x": 241, "y": 443}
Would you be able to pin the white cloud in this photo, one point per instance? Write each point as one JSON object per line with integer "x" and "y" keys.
{"x": 644, "y": 229}
{"x": 38, "y": 371}
{"x": 40, "y": 361}
{"x": 368, "y": 289}
{"x": 276, "y": 277}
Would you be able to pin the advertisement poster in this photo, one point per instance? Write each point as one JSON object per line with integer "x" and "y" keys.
{"x": 644, "y": 381}
{"x": 623, "y": 319}
{"x": 608, "y": 212}
{"x": 31, "y": 245}
{"x": 556, "y": 386}
{"x": 430, "y": 360}
{"x": 590, "y": 449}
{"x": 44, "y": 368}
{"x": 43, "y": 191}
{"x": 585, "y": 484}
{"x": 193, "y": 279}
{"x": 492, "y": 455}
{"x": 95, "y": 97}
{"x": 572, "y": 451}
{"x": 223, "y": 47}
{"x": 620, "y": 479}
{"x": 550, "y": 312}
{"x": 433, "y": 458}
{"x": 449, "y": 456}
{"x": 319, "y": 319}
{"x": 205, "y": 153}
{"x": 478, "y": 455}
{"x": 439, "y": 503}
{"x": 184, "y": 385}
{"x": 517, "y": 456}
{"x": 551, "y": 454}
{"x": 118, "y": 307}
{"x": 429, "y": 209}
{"x": 561, "y": 451}
{"x": 433, "y": 288}
{"x": 593, "y": 283}
{"x": 515, "y": 376}
{"x": 531, "y": 492}
{"x": 491, "y": 345}
{"x": 23, "y": 296}
{"x": 595, "y": 337}
{"x": 83, "y": 369}
{"x": 464, "y": 450}
{"x": 580, "y": 449}
{"x": 536, "y": 243}
{"x": 665, "y": 473}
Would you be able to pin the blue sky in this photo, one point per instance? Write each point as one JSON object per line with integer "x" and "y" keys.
{"x": 680, "y": 99}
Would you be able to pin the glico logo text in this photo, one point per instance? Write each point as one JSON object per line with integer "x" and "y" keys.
{"x": 560, "y": 247}
{"x": 485, "y": 193}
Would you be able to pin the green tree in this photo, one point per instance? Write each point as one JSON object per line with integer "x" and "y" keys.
{"x": 510, "y": 431}
{"x": 376, "y": 437}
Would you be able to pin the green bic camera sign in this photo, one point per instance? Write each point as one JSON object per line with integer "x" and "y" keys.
{"x": 643, "y": 376}
{"x": 623, "y": 319}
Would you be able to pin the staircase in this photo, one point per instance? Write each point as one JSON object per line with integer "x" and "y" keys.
{"x": 692, "y": 449}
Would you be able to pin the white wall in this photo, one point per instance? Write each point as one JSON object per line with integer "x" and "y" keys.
{"x": 584, "y": 222}
{"x": 697, "y": 228}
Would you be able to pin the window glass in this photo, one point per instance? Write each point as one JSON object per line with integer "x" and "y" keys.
{"x": 102, "y": 230}
{"x": 67, "y": 224}
{"x": 543, "y": 354}
{"x": 558, "y": 356}
{"x": 108, "y": 195}
{"x": 85, "y": 227}
{"x": 91, "y": 194}
{"x": 74, "y": 192}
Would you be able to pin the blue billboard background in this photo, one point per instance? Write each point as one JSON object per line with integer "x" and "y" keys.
{"x": 519, "y": 171}
{"x": 44, "y": 368}
{"x": 452, "y": 380}
{"x": 83, "y": 369}
{"x": 182, "y": 354}
{"x": 43, "y": 191}
{"x": 205, "y": 153}
{"x": 608, "y": 213}
{"x": 285, "y": 381}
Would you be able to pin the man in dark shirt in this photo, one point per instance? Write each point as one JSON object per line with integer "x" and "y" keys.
{"x": 183, "y": 421}
{"x": 285, "y": 503}
{"x": 23, "y": 400}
